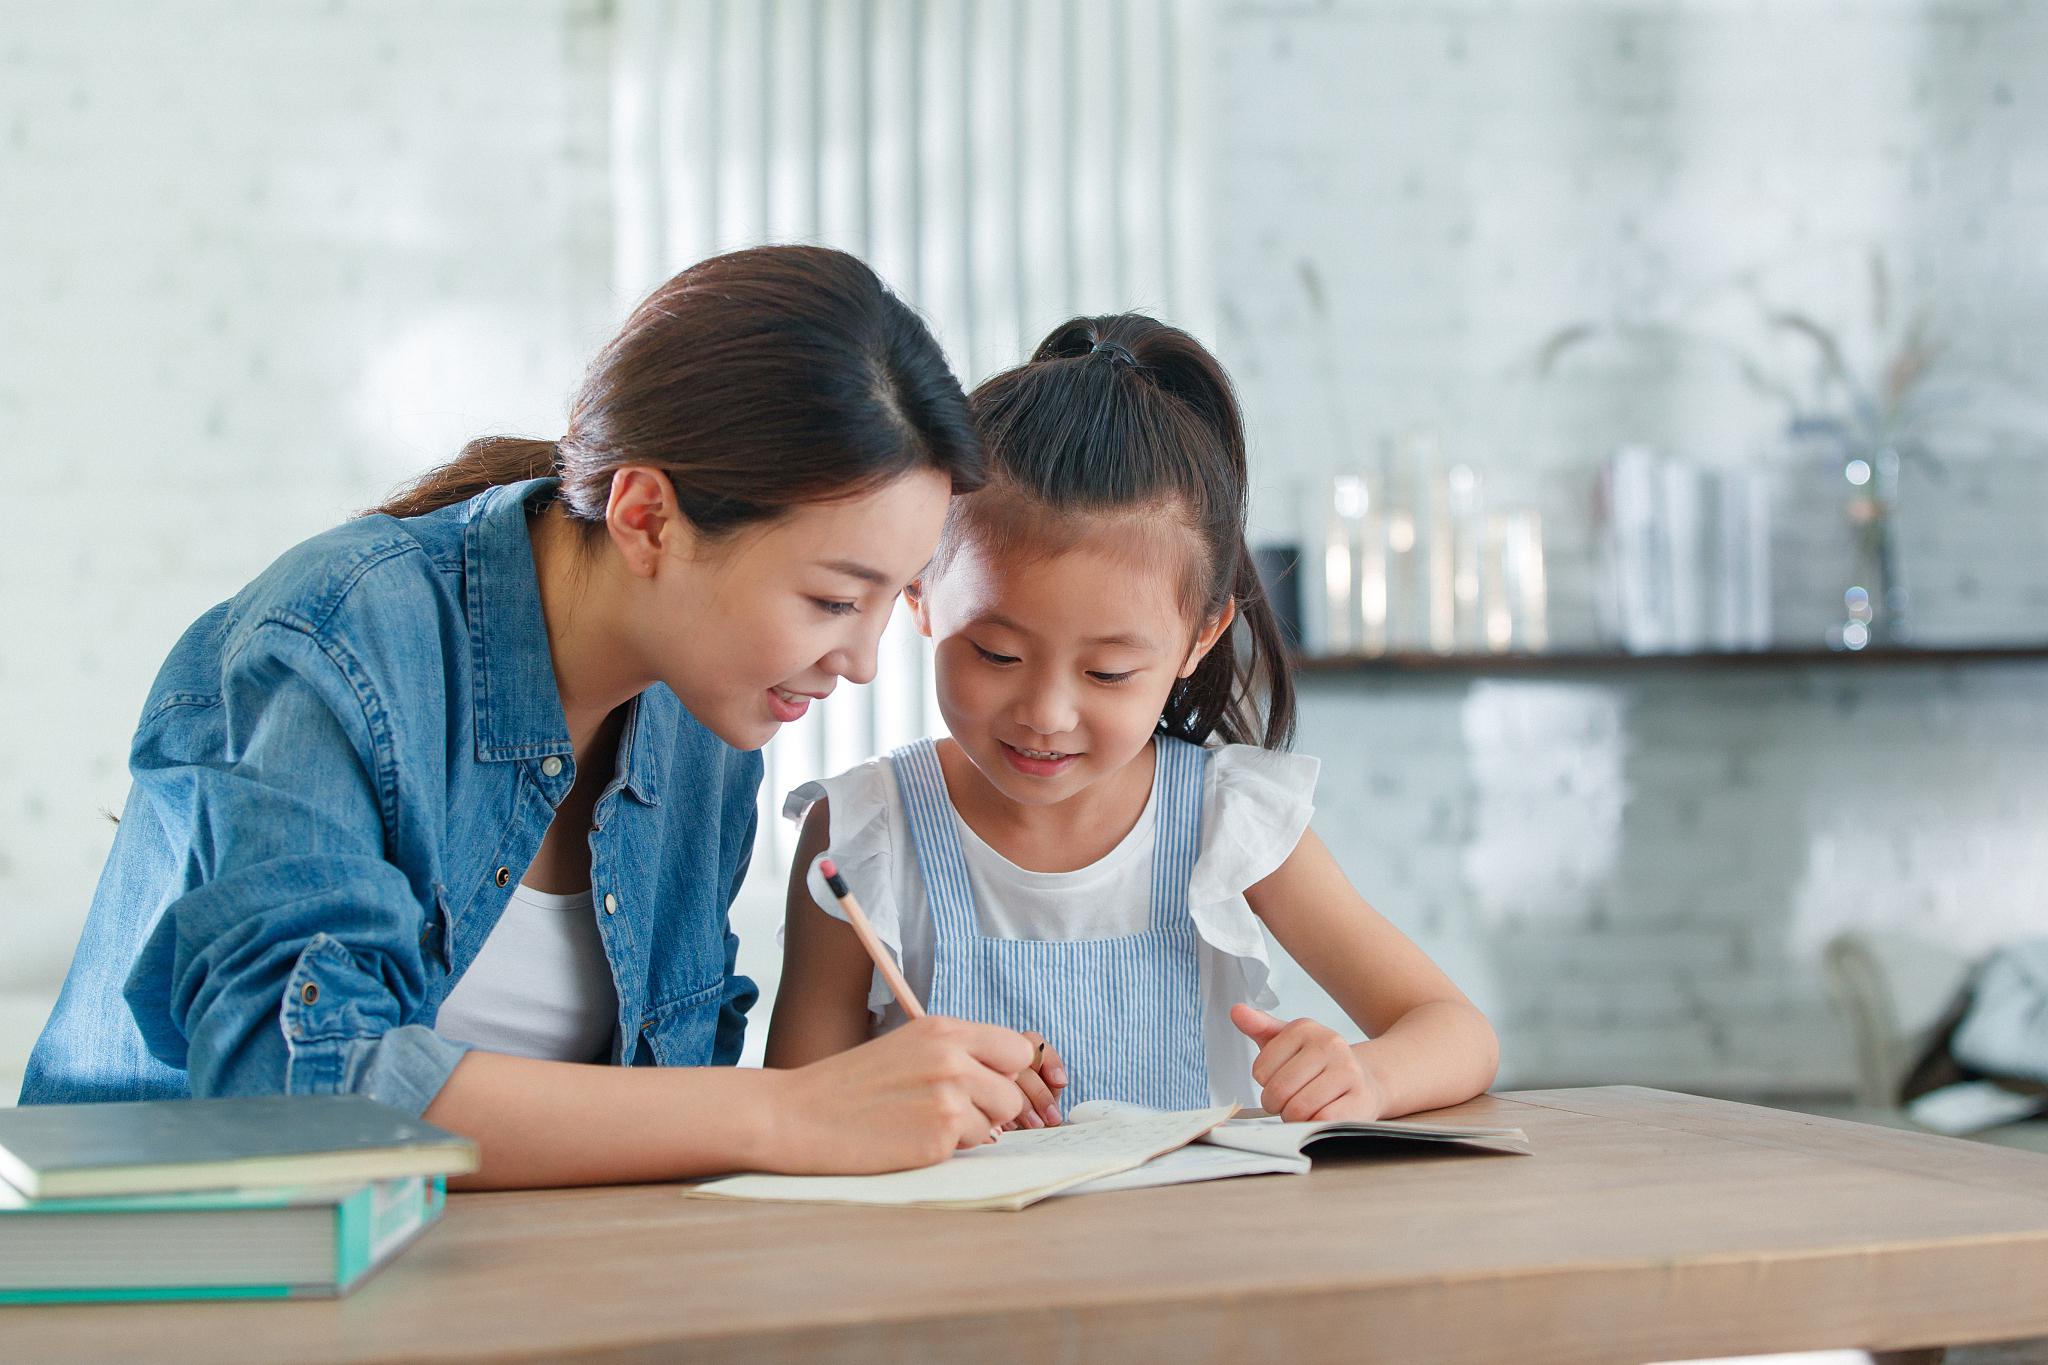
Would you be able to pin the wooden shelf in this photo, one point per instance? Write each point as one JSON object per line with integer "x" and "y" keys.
{"x": 1605, "y": 661}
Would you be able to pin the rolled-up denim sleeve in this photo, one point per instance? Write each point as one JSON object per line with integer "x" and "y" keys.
{"x": 293, "y": 962}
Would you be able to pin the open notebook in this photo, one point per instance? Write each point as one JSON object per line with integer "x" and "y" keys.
{"x": 1104, "y": 1146}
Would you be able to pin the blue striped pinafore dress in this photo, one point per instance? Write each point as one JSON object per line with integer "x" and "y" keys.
{"x": 1125, "y": 1013}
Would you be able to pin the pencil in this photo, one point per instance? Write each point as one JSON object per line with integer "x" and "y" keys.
{"x": 906, "y": 998}
{"x": 886, "y": 965}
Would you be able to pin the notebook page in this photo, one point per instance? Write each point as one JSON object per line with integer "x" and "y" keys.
{"x": 1017, "y": 1169}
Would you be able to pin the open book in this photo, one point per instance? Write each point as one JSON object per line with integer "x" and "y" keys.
{"x": 1261, "y": 1144}
{"x": 1104, "y": 1146}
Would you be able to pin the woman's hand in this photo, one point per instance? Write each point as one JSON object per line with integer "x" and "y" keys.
{"x": 1307, "y": 1071}
{"x": 909, "y": 1098}
{"x": 1041, "y": 1085}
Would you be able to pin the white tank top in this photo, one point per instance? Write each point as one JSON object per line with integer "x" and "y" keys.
{"x": 540, "y": 986}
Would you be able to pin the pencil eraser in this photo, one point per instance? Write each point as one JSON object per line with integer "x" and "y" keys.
{"x": 827, "y": 868}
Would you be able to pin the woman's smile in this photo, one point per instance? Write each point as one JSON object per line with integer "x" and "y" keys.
{"x": 788, "y": 705}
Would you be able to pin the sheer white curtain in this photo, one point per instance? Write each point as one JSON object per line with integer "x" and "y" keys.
{"x": 1003, "y": 164}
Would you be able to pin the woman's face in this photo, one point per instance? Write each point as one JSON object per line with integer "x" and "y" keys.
{"x": 749, "y": 629}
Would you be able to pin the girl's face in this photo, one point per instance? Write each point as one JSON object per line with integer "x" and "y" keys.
{"x": 1053, "y": 671}
{"x": 749, "y": 630}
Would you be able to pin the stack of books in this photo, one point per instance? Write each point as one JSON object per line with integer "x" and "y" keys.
{"x": 277, "y": 1196}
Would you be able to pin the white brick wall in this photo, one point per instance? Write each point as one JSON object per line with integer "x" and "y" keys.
{"x": 257, "y": 264}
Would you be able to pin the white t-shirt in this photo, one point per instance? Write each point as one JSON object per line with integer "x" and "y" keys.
{"x": 541, "y": 985}
{"x": 1256, "y": 804}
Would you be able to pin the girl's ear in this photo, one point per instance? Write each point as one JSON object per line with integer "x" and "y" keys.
{"x": 642, "y": 515}
{"x": 1206, "y": 641}
{"x": 913, "y": 597}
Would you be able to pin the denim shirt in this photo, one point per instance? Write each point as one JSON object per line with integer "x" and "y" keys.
{"x": 339, "y": 778}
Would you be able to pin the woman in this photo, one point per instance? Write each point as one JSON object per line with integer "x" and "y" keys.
{"x": 474, "y": 776}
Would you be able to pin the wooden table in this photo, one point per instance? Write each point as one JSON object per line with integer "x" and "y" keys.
{"x": 1648, "y": 1226}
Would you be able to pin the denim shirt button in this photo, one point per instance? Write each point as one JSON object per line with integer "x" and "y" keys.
{"x": 611, "y": 904}
{"x": 551, "y": 765}
{"x": 502, "y": 875}
{"x": 310, "y": 992}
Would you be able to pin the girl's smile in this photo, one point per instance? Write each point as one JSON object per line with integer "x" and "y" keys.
{"x": 1037, "y": 762}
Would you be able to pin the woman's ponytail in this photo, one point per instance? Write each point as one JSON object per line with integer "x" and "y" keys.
{"x": 484, "y": 463}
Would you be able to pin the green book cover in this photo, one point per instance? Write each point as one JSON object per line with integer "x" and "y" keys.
{"x": 287, "y": 1242}
{"x": 159, "y": 1146}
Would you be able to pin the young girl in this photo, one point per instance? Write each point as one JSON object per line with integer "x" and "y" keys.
{"x": 1077, "y": 859}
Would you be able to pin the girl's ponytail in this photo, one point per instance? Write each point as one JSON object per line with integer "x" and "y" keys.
{"x": 1250, "y": 661}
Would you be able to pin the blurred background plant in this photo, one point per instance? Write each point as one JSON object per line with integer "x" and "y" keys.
{"x": 1861, "y": 399}
{"x": 1876, "y": 384}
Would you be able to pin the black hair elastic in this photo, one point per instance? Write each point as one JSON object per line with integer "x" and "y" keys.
{"x": 1116, "y": 353}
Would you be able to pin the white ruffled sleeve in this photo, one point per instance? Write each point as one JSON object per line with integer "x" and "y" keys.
{"x": 861, "y": 839}
{"x": 1256, "y": 805}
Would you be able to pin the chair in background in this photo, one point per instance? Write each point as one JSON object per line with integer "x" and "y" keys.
{"x": 1895, "y": 990}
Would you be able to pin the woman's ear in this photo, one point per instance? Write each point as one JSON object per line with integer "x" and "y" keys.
{"x": 643, "y": 517}
{"x": 913, "y": 597}
{"x": 1211, "y": 633}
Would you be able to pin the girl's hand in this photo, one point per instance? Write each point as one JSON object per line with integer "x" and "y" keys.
{"x": 1041, "y": 1086}
{"x": 1307, "y": 1070}
{"x": 909, "y": 1098}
